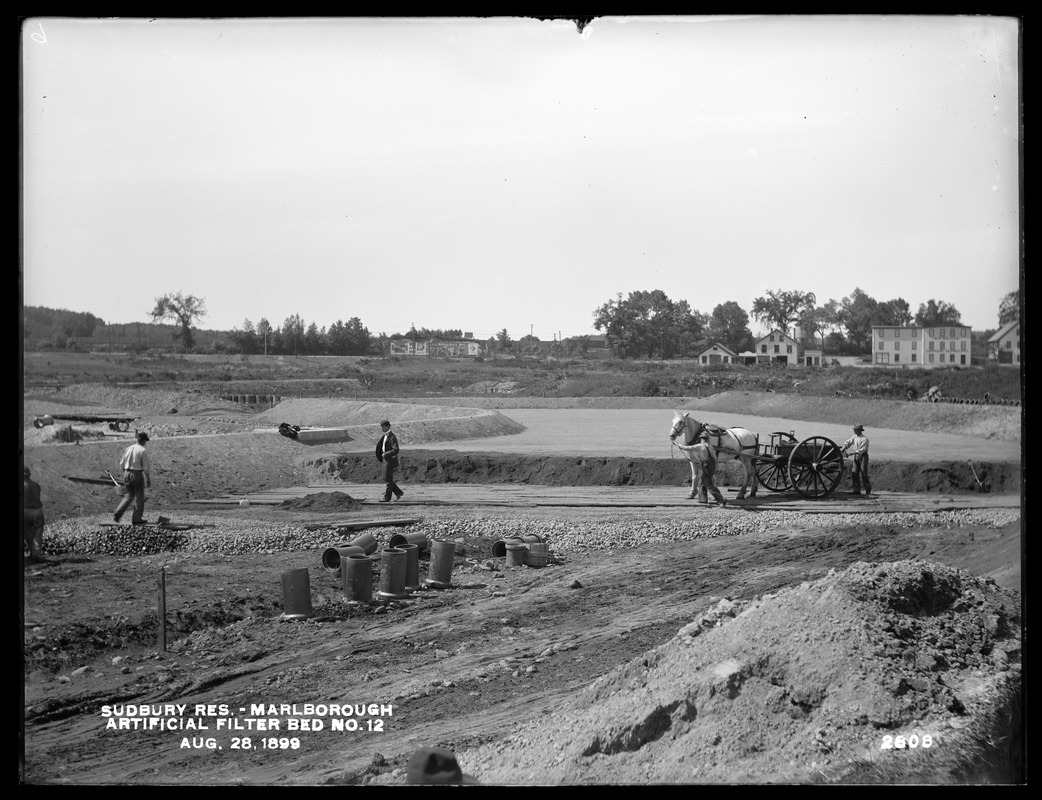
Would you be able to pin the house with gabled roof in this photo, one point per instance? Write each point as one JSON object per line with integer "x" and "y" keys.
{"x": 1004, "y": 345}
{"x": 716, "y": 353}
{"x": 777, "y": 347}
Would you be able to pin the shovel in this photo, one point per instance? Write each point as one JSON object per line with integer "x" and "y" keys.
{"x": 980, "y": 485}
{"x": 121, "y": 488}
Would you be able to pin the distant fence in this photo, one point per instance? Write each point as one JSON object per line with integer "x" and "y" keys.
{"x": 269, "y": 400}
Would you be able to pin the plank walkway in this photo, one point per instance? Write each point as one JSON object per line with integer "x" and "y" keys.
{"x": 531, "y": 495}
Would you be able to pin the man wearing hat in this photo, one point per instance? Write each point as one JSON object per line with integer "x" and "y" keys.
{"x": 859, "y": 444}
{"x": 32, "y": 516}
{"x": 137, "y": 475}
{"x": 703, "y": 457}
{"x": 431, "y": 766}
{"x": 387, "y": 452}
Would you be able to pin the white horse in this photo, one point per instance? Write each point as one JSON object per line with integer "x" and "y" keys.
{"x": 727, "y": 443}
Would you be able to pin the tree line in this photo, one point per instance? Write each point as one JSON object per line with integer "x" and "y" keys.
{"x": 644, "y": 324}
{"x": 651, "y": 325}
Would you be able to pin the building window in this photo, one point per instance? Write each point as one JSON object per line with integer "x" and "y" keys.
{"x": 942, "y": 345}
{"x": 951, "y": 358}
{"x": 897, "y": 357}
{"x": 763, "y": 348}
{"x": 962, "y": 346}
{"x": 915, "y": 346}
{"x": 897, "y": 345}
{"x": 897, "y": 333}
{"x": 772, "y": 337}
{"x": 963, "y": 333}
{"x": 931, "y": 358}
{"x": 777, "y": 348}
{"x": 880, "y": 333}
{"x": 881, "y": 345}
{"x": 962, "y": 359}
{"x": 1009, "y": 344}
{"x": 913, "y": 358}
{"x": 931, "y": 333}
{"x": 931, "y": 347}
{"x": 788, "y": 348}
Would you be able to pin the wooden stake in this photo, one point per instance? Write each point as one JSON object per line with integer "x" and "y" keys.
{"x": 162, "y": 609}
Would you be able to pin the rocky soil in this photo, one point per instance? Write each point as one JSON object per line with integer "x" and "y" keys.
{"x": 660, "y": 646}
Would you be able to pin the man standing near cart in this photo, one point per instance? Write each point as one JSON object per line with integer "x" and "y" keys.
{"x": 387, "y": 453}
{"x": 859, "y": 444}
{"x": 704, "y": 457}
{"x": 137, "y": 476}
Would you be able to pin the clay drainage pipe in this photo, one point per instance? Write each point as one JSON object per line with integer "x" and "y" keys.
{"x": 357, "y": 576}
{"x": 516, "y": 553}
{"x": 296, "y": 594}
{"x": 333, "y": 556}
{"x": 412, "y": 566}
{"x": 392, "y": 574}
{"x": 439, "y": 573}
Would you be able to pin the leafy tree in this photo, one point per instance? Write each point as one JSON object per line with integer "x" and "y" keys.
{"x": 264, "y": 333}
{"x": 894, "y": 312}
{"x": 858, "y": 315}
{"x": 292, "y": 339}
{"x": 314, "y": 339}
{"x": 937, "y": 312}
{"x": 185, "y": 309}
{"x": 1009, "y": 308}
{"x": 503, "y": 340}
{"x": 648, "y": 323}
{"x": 782, "y": 309}
{"x": 246, "y": 339}
{"x": 729, "y": 325}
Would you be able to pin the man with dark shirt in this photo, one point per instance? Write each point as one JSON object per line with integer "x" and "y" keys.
{"x": 387, "y": 452}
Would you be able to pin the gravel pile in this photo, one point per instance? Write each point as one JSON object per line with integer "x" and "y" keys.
{"x": 234, "y": 536}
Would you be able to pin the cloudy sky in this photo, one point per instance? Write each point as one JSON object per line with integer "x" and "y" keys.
{"x": 514, "y": 173}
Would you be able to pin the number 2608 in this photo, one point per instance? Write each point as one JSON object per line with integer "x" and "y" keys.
{"x": 906, "y": 742}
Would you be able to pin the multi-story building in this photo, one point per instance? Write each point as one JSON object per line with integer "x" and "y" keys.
{"x": 1004, "y": 345}
{"x": 921, "y": 346}
{"x": 777, "y": 347}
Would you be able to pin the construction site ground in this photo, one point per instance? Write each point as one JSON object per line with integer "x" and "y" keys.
{"x": 553, "y": 675}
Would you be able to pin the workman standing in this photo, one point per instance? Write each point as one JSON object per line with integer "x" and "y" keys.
{"x": 137, "y": 475}
{"x": 387, "y": 453}
{"x": 32, "y": 515}
{"x": 859, "y": 444}
{"x": 703, "y": 457}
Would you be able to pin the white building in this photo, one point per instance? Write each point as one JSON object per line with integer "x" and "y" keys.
{"x": 913, "y": 345}
{"x": 716, "y": 353}
{"x": 1004, "y": 345}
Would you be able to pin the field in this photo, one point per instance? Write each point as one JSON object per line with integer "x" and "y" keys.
{"x": 667, "y": 642}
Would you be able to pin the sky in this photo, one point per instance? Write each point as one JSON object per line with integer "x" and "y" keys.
{"x": 514, "y": 173}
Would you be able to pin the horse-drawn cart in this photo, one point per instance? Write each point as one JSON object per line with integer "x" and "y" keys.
{"x": 813, "y": 467}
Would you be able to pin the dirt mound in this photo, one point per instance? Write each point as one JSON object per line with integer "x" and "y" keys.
{"x": 895, "y": 668}
{"x": 322, "y": 501}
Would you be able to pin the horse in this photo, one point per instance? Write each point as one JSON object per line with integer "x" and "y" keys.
{"x": 727, "y": 443}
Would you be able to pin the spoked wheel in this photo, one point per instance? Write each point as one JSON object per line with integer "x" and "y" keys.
{"x": 816, "y": 467}
{"x": 772, "y": 475}
{"x": 123, "y": 425}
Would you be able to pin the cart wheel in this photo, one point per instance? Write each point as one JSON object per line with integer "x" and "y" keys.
{"x": 123, "y": 425}
{"x": 816, "y": 467}
{"x": 771, "y": 472}
{"x": 772, "y": 475}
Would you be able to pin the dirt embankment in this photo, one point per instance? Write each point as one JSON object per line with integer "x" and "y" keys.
{"x": 248, "y": 455}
